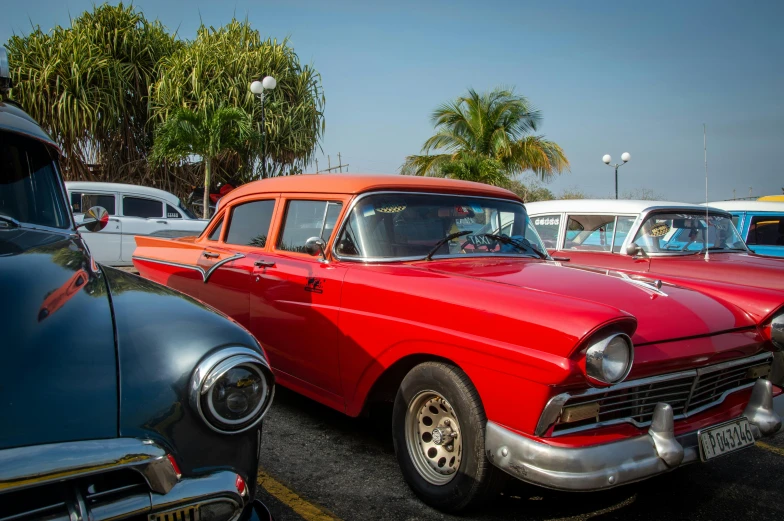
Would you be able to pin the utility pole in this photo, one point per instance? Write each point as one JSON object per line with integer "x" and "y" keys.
{"x": 340, "y": 164}
{"x": 317, "y": 170}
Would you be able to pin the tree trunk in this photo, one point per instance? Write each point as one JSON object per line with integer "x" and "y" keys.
{"x": 207, "y": 168}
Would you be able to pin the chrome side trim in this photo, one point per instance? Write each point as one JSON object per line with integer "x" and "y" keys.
{"x": 353, "y": 203}
{"x": 553, "y": 409}
{"x": 205, "y": 274}
{"x": 24, "y": 467}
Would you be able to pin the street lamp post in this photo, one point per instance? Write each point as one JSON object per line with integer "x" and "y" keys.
{"x": 258, "y": 88}
{"x": 625, "y": 157}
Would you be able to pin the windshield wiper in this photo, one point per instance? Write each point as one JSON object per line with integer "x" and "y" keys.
{"x": 6, "y": 221}
{"x": 444, "y": 240}
{"x": 523, "y": 244}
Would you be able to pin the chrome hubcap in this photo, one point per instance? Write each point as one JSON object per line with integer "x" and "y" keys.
{"x": 433, "y": 437}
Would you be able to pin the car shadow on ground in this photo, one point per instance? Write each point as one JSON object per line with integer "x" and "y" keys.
{"x": 348, "y": 466}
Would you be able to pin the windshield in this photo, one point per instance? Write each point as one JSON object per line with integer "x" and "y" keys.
{"x": 30, "y": 190}
{"x": 394, "y": 226}
{"x": 688, "y": 232}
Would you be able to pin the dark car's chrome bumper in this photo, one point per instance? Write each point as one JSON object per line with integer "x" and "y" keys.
{"x": 608, "y": 465}
{"x": 116, "y": 479}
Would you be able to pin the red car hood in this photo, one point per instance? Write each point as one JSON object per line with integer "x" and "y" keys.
{"x": 738, "y": 268}
{"x": 669, "y": 313}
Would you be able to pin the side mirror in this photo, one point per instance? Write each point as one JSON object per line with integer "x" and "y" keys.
{"x": 633, "y": 250}
{"x": 95, "y": 219}
{"x": 314, "y": 246}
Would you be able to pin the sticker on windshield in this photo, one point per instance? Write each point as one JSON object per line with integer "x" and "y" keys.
{"x": 390, "y": 207}
{"x": 659, "y": 230}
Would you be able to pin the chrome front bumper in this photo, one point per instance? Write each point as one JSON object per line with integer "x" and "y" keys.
{"x": 604, "y": 466}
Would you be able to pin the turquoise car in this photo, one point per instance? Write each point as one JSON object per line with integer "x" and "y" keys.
{"x": 760, "y": 223}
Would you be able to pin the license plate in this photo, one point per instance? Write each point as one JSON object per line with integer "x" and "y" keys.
{"x": 725, "y": 438}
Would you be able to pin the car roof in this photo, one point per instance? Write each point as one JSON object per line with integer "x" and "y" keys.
{"x": 749, "y": 206}
{"x": 14, "y": 119}
{"x": 612, "y": 206}
{"x": 358, "y": 183}
{"x": 122, "y": 187}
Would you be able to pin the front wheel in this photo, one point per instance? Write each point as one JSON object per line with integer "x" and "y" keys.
{"x": 438, "y": 425}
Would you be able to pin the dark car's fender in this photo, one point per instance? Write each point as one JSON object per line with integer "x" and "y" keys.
{"x": 161, "y": 337}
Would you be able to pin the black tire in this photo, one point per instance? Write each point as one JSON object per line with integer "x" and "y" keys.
{"x": 476, "y": 479}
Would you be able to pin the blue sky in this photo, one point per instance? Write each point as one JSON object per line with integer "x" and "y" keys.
{"x": 609, "y": 77}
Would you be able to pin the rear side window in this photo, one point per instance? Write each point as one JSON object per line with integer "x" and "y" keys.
{"x": 76, "y": 202}
{"x": 547, "y": 226}
{"x": 306, "y": 219}
{"x": 172, "y": 213}
{"x": 250, "y": 223}
{"x": 90, "y": 200}
{"x": 142, "y": 207}
{"x": 766, "y": 230}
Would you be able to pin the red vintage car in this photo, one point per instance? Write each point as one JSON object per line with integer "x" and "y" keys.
{"x": 365, "y": 289}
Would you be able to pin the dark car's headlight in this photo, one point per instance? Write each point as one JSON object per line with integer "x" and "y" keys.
{"x": 609, "y": 360}
{"x": 232, "y": 389}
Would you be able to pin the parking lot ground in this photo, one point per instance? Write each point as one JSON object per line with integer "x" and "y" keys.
{"x": 319, "y": 465}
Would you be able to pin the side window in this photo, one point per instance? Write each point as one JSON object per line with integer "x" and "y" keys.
{"x": 547, "y": 227}
{"x": 90, "y": 200}
{"x": 623, "y": 229}
{"x": 172, "y": 213}
{"x": 250, "y": 223}
{"x": 142, "y": 207}
{"x": 766, "y": 230}
{"x": 76, "y": 202}
{"x": 306, "y": 219}
{"x": 589, "y": 232}
{"x": 216, "y": 232}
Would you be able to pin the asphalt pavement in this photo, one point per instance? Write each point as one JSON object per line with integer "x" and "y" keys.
{"x": 319, "y": 465}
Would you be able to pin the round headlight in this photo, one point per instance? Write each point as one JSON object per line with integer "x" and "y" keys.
{"x": 610, "y": 359}
{"x": 232, "y": 389}
{"x": 777, "y": 331}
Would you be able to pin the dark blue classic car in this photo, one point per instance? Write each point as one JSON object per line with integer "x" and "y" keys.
{"x": 120, "y": 398}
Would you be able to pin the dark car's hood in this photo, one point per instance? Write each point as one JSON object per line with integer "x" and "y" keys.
{"x": 58, "y": 354}
{"x": 669, "y": 313}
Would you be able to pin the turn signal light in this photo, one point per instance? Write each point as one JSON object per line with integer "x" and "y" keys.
{"x": 578, "y": 413}
{"x": 174, "y": 465}
{"x": 241, "y": 487}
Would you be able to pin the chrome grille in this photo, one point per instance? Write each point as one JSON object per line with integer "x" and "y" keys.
{"x": 190, "y": 513}
{"x": 688, "y": 392}
{"x": 94, "y": 497}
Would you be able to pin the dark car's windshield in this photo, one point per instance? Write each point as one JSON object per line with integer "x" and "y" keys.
{"x": 400, "y": 225}
{"x": 688, "y": 233}
{"x": 29, "y": 185}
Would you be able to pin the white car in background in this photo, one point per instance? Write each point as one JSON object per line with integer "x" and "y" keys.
{"x": 133, "y": 210}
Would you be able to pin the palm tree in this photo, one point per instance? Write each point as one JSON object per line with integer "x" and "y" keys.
{"x": 206, "y": 133}
{"x": 495, "y": 125}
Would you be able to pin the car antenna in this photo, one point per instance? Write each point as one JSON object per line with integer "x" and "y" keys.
{"x": 707, "y": 224}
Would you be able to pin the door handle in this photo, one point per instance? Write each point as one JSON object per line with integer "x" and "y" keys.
{"x": 264, "y": 264}
{"x": 162, "y": 222}
{"x": 211, "y": 255}
{"x": 114, "y": 219}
